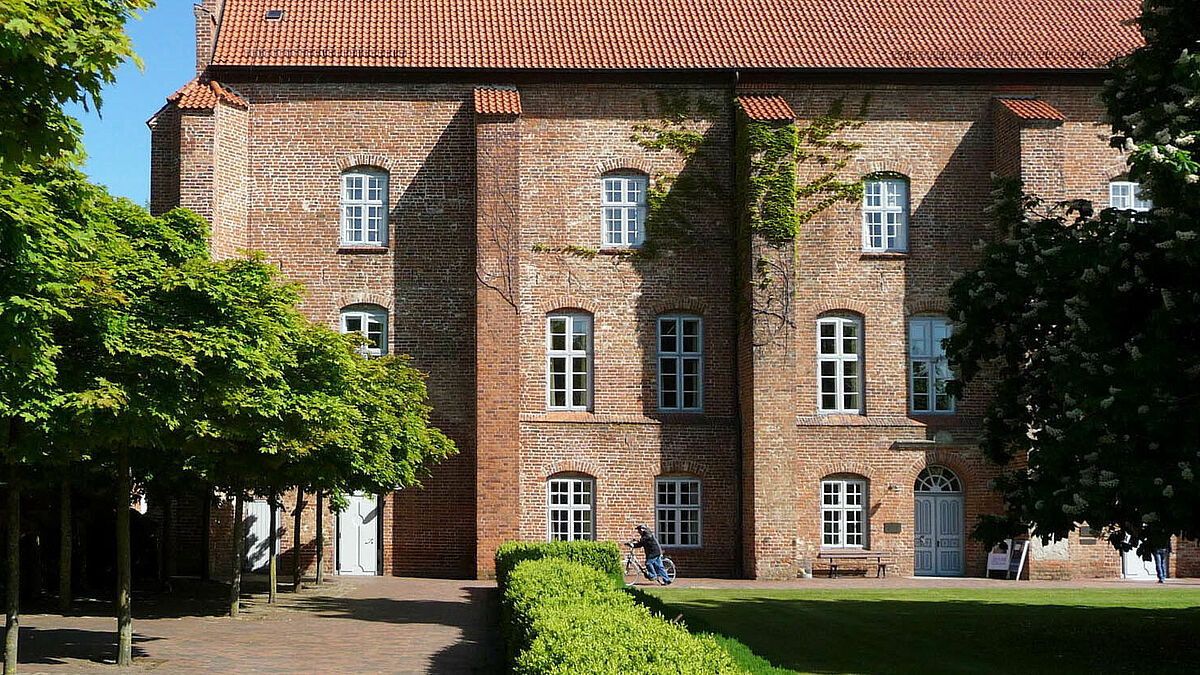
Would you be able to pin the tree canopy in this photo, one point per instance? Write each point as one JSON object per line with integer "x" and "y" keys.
{"x": 54, "y": 52}
{"x": 1089, "y": 323}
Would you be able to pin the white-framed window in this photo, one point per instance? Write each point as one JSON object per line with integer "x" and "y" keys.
{"x": 371, "y": 322}
{"x": 677, "y": 511}
{"x": 885, "y": 214}
{"x": 569, "y": 362}
{"x": 928, "y": 369}
{"x": 839, "y": 364}
{"x": 570, "y": 512}
{"x": 364, "y": 207}
{"x": 680, "y": 363}
{"x": 1124, "y": 194}
{"x": 843, "y": 513}
{"x": 623, "y": 211}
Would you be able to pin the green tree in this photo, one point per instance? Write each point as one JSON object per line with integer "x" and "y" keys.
{"x": 54, "y": 52}
{"x": 1090, "y": 323}
{"x": 48, "y": 268}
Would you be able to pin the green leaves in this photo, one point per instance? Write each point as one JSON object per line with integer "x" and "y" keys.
{"x": 54, "y": 52}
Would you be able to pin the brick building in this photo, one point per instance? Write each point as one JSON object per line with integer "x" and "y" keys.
{"x": 538, "y": 200}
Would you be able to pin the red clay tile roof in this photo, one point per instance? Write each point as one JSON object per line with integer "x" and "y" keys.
{"x": 1031, "y": 109}
{"x": 766, "y": 108}
{"x": 670, "y": 34}
{"x": 497, "y": 101}
{"x": 203, "y": 95}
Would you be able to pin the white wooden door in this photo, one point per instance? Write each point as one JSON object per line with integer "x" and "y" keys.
{"x": 256, "y": 523}
{"x": 949, "y": 542}
{"x": 1133, "y": 567}
{"x": 938, "y": 534}
{"x": 923, "y": 536}
{"x": 358, "y": 536}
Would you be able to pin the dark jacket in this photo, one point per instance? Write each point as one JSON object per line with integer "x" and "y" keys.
{"x": 650, "y": 543}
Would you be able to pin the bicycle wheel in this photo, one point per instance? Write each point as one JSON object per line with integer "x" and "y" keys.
{"x": 631, "y": 572}
{"x": 669, "y": 566}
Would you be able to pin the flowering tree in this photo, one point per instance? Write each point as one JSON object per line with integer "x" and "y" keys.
{"x": 1090, "y": 323}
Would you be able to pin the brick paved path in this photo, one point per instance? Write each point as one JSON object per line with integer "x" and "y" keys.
{"x": 359, "y": 625}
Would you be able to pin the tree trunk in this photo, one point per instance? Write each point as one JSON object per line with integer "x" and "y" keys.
{"x": 272, "y": 541}
{"x": 124, "y": 606}
{"x": 205, "y": 540}
{"x": 239, "y": 546}
{"x": 320, "y": 537}
{"x": 64, "y": 548}
{"x": 12, "y": 618}
{"x": 170, "y": 567}
{"x": 296, "y": 540}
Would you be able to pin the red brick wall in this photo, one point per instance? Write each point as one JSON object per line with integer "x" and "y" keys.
{"x": 759, "y": 442}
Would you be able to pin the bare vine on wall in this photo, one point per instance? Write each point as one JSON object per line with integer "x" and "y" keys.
{"x": 501, "y": 226}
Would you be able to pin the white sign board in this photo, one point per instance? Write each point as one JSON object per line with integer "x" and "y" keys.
{"x": 997, "y": 560}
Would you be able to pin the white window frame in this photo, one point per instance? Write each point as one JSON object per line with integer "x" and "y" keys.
{"x": 669, "y": 518}
{"x": 838, "y": 513}
{"x": 571, "y": 488}
{"x": 570, "y": 354}
{"x": 364, "y": 208}
{"x": 885, "y": 200}
{"x": 841, "y": 361}
{"x": 680, "y": 359}
{"x": 623, "y": 210}
{"x": 926, "y": 352}
{"x": 1126, "y": 195}
{"x": 365, "y": 314}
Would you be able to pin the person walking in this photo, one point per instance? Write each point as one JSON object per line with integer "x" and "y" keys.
{"x": 1162, "y": 558}
{"x": 647, "y": 541}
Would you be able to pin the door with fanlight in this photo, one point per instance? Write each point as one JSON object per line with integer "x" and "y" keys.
{"x": 358, "y": 536}
{"x": 938, "y": 523}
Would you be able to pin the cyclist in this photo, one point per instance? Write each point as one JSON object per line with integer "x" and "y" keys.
{"x": 654, "y": 567}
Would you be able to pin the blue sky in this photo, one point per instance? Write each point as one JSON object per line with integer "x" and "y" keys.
{"x": 118, "y": 145}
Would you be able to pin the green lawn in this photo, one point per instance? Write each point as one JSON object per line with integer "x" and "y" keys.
{"x": 1148, "y": 629}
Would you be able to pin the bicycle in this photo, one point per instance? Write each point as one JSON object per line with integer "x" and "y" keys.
{"x": 633, "y": 568}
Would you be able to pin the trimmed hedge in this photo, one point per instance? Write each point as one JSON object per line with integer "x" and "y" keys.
{"x": 564, "y": 617}
{"x": 604, "y": 556}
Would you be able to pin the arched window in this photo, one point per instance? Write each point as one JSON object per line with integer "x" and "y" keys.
{"x": 937, "y": 479}
{"x": 929, "y": 370}
{"x": 677, "y": 511}
{"x": 1127, "y": 194}
{"x": 680, "y": 363}
{"x": 839, "y": 364}
{"x": 570, "y": 512}
{"x": 885, "y": 214}
{"x": 568, "y": 361}
{"x": 623, "y": 210}
{"x": 370, "y": 321}
{"x": 364, "y": 207}
{"x": 844, "y": 511}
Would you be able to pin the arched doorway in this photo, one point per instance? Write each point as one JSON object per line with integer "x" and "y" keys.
{"x": 938, "y": 523}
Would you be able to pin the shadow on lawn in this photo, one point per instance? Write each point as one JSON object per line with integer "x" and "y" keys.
{"x": 953, "y": 636}
{"x": 476, "y": 651}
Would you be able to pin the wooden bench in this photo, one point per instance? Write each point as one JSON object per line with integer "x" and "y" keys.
{"x": 834, "y": 558}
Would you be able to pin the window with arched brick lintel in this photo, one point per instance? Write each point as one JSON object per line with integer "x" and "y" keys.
{"x": 369, "y": 321}
{"x": 844, "y": 511}
{"x": 570, "y": 507}
{"x": 840, "y": 376}
{"x": 885, "y": 210}
{"x": 623, "y": 208}
{"x": 364, "y": 206}
{"x": 678, "y": 510}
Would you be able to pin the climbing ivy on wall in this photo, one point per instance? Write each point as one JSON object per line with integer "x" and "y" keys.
{"x": 672, "y": 199}
{"x": 819, "y": 144}
{"x": 767, "y": 159}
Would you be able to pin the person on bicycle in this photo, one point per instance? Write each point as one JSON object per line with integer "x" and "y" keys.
{"x": 646, "y": 540}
